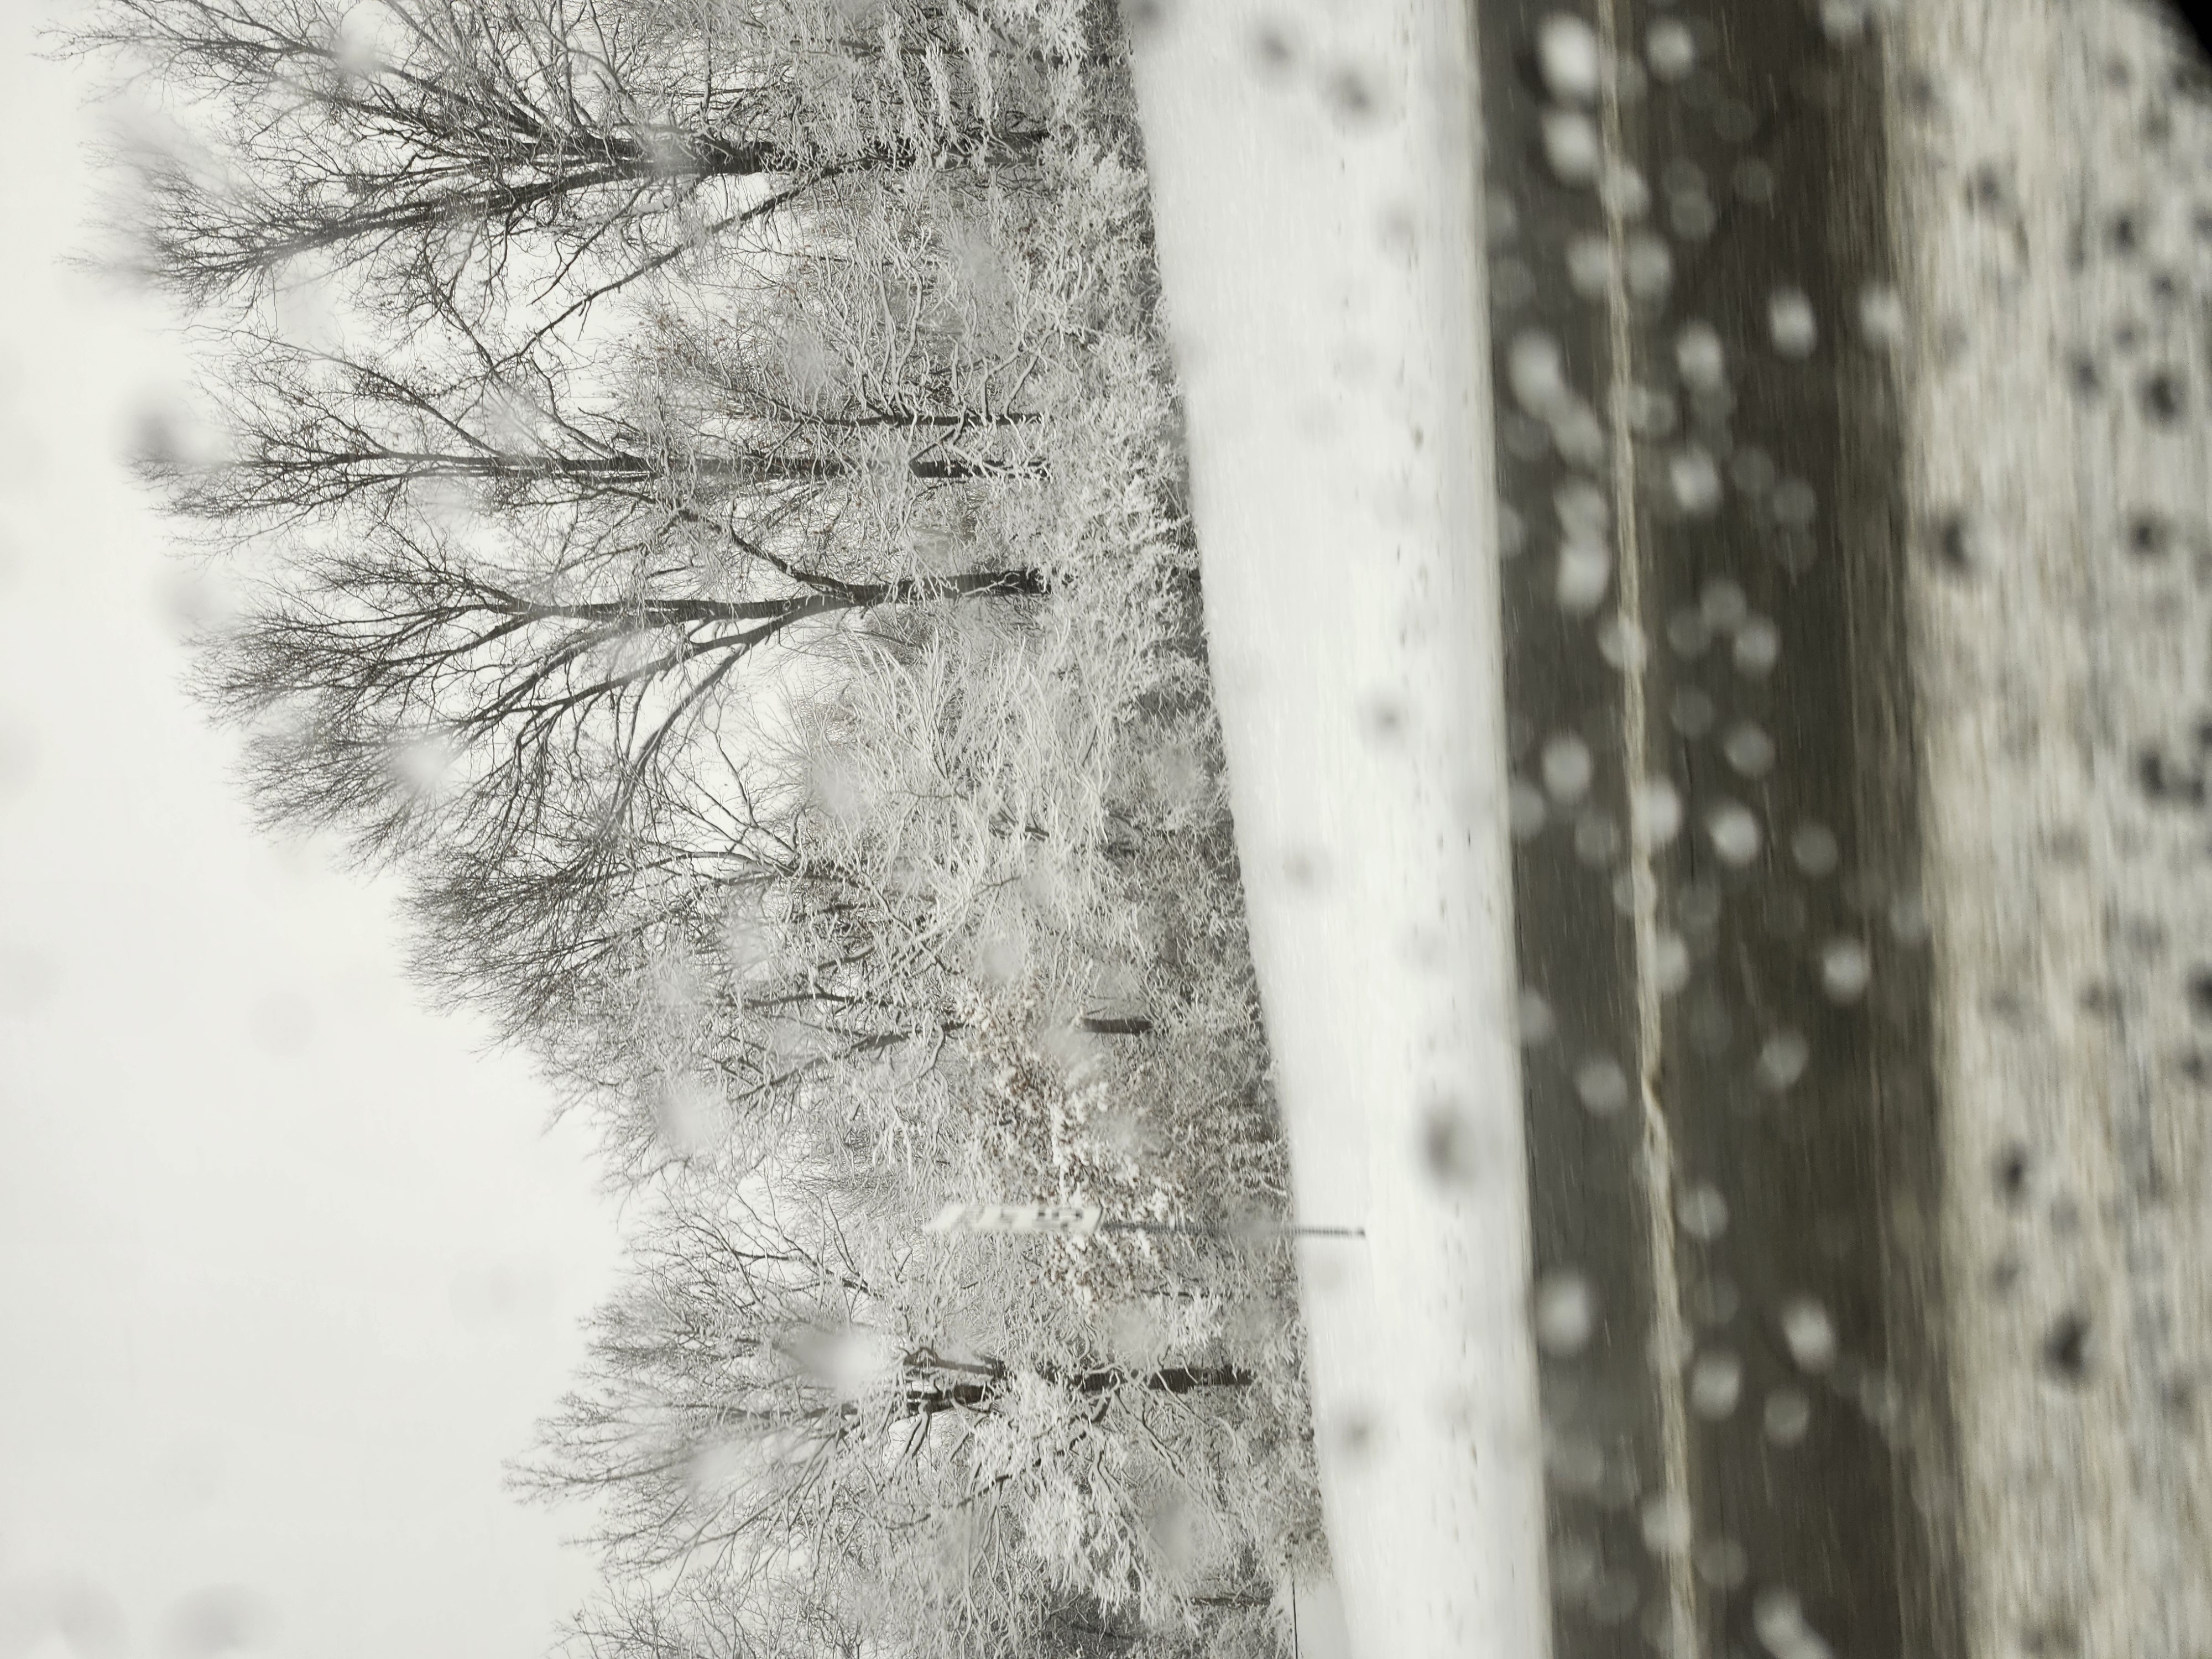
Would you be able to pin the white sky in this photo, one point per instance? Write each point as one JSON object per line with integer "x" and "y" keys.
{"x": 288, "y": 1266}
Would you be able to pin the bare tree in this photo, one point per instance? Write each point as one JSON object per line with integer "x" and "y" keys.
{"x": 767, "y": 1401}
{"x": 406, "y": 689}
{"x": 537, "y": 578}
{"x": 704, "y": 1615}
{"x": 442, "y": 151}
{"x": 309, "y": 430}
{"x": 522, "y": 603}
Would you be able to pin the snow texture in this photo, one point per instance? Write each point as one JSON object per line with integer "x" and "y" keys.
{"x": 1313, "y": 173}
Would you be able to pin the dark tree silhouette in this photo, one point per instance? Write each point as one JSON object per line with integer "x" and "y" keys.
{"x": 406, "y": 689}
{"x": 445, "y": 151}
{"x": 309, "y": 430}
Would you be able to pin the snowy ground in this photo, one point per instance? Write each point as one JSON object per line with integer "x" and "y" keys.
{"x": 1313, "y": 178}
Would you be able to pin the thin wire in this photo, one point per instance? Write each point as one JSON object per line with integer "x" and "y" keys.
{"x": 1270, "y": 1230}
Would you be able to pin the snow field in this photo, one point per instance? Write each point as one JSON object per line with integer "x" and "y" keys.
{"x": 1315, "y": 192}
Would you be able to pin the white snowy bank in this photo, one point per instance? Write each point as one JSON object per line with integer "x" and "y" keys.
{"x": 1314, "y": 186}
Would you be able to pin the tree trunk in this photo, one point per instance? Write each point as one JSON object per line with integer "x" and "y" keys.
{"x": 831, "y": 595}
{"x": 921, "y": 1401}
{"x": 1125, "y": 1025}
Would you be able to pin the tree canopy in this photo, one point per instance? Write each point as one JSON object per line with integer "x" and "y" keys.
{"x": 699, "y": 480}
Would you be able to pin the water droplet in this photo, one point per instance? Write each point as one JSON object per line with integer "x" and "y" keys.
{"x": 1568, "y": 768}
{"x": 1625, "y": 192}
{"x": 1734, "y": 832}
{"x": 1696, "y": 481}
{"x": 1501, "y": 215}
{"x": 1655, "y": 813}
{"x": 1844, "y": 969}
{"x": 1571, "y": 145}
{"x": 1753, "y": 469}
{"x": 1813, "y": 846}
{"x": 1703, "y": 1212}
{"x": 1585, "y": 571}
{"x": 1582, "y": 508}
{"x": 1567, "y": 1314}
{"x": 1670, "y": 49}
{"x": 1670, "y": 1350}
{"x": 1692, "y": 711}
{"x": 1780, "y": 1619}
{"x": 1512, "y": 532}
{"x": 1758, "y": 644}
{"x": 1716, "y": 1384}
{"x": 1698, "y": 904}
{"x": 1782, "y": 1061}
{"x": 1734, "y": 120}
{"x": 1754, "y": 180}
{"x": 1650, "y": 268}
{"x": 1536, "y": 368}
{"x": 1621, "y": 643}
{"x": 1574, "y": 1560}
{"x": 1700, "y": 358}
{"x": 1712, "y": 410}
{"x": 1652, "y": 413}
{"x": 1882, "y": 317}
{"x": 1714, "y": 1300}
{"x": 1578, "y": 436}
{"x": 1525, "y": 811}
{"x": 1844, "y": 21}
{"x": 1788, "y": 1414}
{"x": 1590, "y": 265}
{"x": 1721, "y": 1562}
{"x": 1567, "y": 53}
{"x": 1665, "y": 1521}
{"x": 1533, "y": 1019}
{"x": 1723, "y": 605}
{"x": 1636, "y": 892}
{"x": 1748, "y": 748}
{"x": 1670, "y": 963}
{"x": 1603, "y": 1086}
{"x": 1793, "y": 504}
{"x": 1692, "y": 218}
{"x": 218, "y": 1620}
{"x": 1790, "y": 323}
{"x": 1687, "y": 633}
{"x": 1810, "y": 1333}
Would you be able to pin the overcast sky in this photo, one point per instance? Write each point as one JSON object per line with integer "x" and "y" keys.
{"x": 287, "y": 1264}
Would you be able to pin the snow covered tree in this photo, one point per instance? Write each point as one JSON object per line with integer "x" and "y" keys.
{"x": 514, "y": 591}
{"x": 507, "y": 615}
{"x": 701, "y": 478}
{"x": 454, "y": 155}
{"x": 788, "y": 1403}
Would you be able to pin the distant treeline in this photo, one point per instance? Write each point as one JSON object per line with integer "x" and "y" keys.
{"x": 700, "y": 487}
